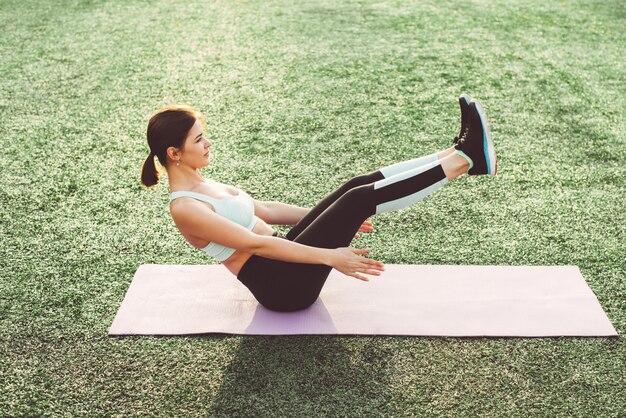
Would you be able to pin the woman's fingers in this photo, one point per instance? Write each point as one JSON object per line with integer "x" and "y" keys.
{"x": 357, "y": 265}
{"x": 366, "y": 262}
{"x": 373, "y": 264}
{"x": 366, "y": 226}
{"x": 371, "y": 272}
{"x": 368, "y": 269}
{"x": 358, "y": 276}
{"x": 364, "y": 270}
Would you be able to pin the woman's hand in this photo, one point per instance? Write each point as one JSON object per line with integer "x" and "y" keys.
{"x": 366, "y": 226}
{"x": 349, "y": 261}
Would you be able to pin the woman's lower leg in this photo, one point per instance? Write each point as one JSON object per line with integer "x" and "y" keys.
{"x": 454, "y": 165}
{"x": 337, "y": 224}
{"x": 372, "y": 177}
{"x": 407, "y": 165}
{"x": 443, "y": 154}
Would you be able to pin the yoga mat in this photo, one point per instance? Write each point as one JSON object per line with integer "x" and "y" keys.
{"x": 429, "y": 300}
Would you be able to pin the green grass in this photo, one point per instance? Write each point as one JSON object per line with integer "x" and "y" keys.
{"x": 298, "y": 99}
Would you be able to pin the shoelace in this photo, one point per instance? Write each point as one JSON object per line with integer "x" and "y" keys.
{"x": 463, "y": 137}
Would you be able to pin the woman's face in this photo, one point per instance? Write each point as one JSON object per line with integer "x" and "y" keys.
{"x": 196, "y": 151}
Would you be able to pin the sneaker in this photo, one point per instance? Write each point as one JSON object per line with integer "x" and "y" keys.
{"x": 464, "y": 101}
{"x": 476, "y": 144}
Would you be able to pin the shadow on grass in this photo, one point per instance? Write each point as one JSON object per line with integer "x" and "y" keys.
{"x": 303, "y": 375}
{"x": 358, "y": 376}
{"x": 306, "y": 376}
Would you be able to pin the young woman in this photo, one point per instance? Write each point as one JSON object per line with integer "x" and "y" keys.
{"x": 287, "y": 273}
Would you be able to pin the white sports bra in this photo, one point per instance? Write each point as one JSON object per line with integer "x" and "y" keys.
{"x": 239, "y": 209}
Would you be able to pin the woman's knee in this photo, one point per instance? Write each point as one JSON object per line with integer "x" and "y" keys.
{"x": 362, "y": 180}
{"x": 359, "y": 197}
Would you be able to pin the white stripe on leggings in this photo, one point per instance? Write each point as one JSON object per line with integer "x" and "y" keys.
{"x": 403, "y": 166}
{"x": 405, "y": 201}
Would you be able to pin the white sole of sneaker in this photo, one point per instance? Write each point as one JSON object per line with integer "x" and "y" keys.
{"x": 490, "y": 150}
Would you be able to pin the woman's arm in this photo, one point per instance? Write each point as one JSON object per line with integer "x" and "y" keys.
{"x": 278, "y": 213}
{"x": 285, "y": 250}
{"x": 348, "y": 260}
{"x": 205, "y": 223}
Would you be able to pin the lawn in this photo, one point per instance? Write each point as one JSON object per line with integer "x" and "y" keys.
{"x": 299, "y": 97}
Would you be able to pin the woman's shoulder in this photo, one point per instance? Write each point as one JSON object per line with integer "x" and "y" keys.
{"x": 202, "y": 195}
{"x": 184, "y": 207}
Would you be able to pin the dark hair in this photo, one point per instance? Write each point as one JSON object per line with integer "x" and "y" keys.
{"x": 168, "y": 127}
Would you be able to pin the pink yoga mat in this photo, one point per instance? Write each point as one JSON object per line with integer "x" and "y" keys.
{"x": 431, "y": 300}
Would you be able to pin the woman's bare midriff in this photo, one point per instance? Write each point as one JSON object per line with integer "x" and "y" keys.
{"x": 238, "y": 258}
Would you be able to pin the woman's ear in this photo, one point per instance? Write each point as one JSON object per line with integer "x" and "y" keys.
{"x": 172, "y": 153}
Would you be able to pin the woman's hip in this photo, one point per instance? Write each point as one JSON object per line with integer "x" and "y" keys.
{"x": 281, "y": 285}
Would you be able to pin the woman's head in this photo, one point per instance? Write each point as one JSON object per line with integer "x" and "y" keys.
{"x": 171, "y": 131}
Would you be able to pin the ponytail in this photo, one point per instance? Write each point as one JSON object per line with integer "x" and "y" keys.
{"x": 149, "y": 172}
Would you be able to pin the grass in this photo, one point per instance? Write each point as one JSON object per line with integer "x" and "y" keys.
{"x": 299, "y": 97}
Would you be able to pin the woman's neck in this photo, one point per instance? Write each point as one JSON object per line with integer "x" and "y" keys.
{"x": 183, "y": 178}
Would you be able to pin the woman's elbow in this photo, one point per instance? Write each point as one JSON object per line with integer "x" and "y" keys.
{"x": 255, "y": 244}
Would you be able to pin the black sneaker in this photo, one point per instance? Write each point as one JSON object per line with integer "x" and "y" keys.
{"x": 477, "y": 143}
{"x": 464, "y": 101}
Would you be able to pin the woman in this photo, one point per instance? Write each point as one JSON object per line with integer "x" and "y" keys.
{"x": 288, "y": 273}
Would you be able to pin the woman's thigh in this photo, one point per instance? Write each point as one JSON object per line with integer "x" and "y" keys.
{"x": 286, "y": 286}
{"x": 281, "y": 285}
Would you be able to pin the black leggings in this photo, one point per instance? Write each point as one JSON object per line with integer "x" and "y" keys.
{"x": 332, "y": 223}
